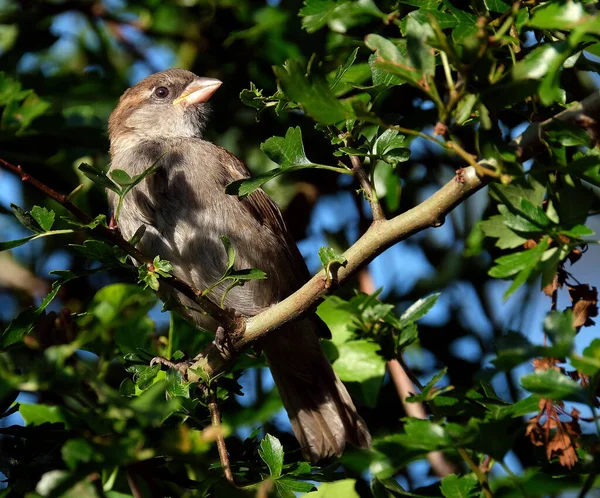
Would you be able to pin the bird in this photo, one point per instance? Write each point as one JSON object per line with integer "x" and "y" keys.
{"x": 185, "y": 211}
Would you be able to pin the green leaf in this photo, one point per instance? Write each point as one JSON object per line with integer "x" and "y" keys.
{"x": 121, "y": 177}
{"x": 518, "y": 222}
{"x": 138, "y": 178}
{"x": 97, "y": 221}
{"x": 359, "y": 362}
{"x": 286, "y": 151}
{"x": 419, "y": 308}
{"x": 538, "y": 62}
{"x": 343, "y": 69}
{"x": 521, "y": 263}
{"x": 230, "y": 253}
{"x": 589, "y": 363}
{"x": 148, "y": 278}
{"x": 390, "y": 146}
{"x": 338, "y": 489}
{"x": 39, "y": 414}
{"x": 312, "y": 93}
{"x": 44, "y": 217}
{"x": 388, "y": 141}
{"x": 76, "y": 451}
{"x": 429, "y": 391}
{"x": 561, "y": 331}
{"x": 246, "y": 274}
{"x": 388, "y": 59}
{"x": 99, "y": 177}
{"x": 162, "y": 267}
{"x": 409, "y": 335}
{"x": 96, "y": 250}
{"x": 127, "y": 388}
{"x": 271, "y": 452}
{"x": 555, "y": 385}
{"x": 24, "y": 322}
{"x": 494, "y": 227}
{"x": 329, "y": 256}
{"x": 420, "y": 54}
{"x": 286, "y": 487}
{"x": 25, "y": 218}
{"x": 341, "y": 14}
{"x": 453, "y": 486}
{"x": 9, "y": 244}
{"x": 562, "y": 15}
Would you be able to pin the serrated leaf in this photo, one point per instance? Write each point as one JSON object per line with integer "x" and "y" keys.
{"x": 419, "y": 308}
{"x": 313, "y": 94}
{"x": 359, "y": 362}
{"x": 127, "y": 388}
{"x": 495, "y": 227}
{"x": 44, "y": 217}
{"x": 145, "y": 375}
{"x": 97, "y": 221}
{"x": 162, "y": 267}
{"x": 96, "y": 250}
{"x": 147, "y": 277}
{"x": 453, "y": 486}
{"x": 329, "y": 256}
{"x": 271, "y": 452}
{"x": 286, "y": 151}
{"x": 388, "y": 59}
{"x": 39, "y": 414}
{"x": 518, "y": 222}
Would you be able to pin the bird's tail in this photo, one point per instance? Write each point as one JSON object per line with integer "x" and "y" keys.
{"x": 321, "y": 411}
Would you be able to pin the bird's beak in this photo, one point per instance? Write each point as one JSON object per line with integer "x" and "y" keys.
{"x": 199, "y": 90}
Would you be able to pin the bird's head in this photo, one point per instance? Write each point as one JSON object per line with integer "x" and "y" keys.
{"x": 169, "y": 104}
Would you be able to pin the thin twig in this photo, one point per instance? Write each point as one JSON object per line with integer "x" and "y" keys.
{"x": 370, "y": 193}
{"x": 223, "y": 316}
{"x": 481, "y": 477}
{"x": 215, "y": 418}
{"x": 133, "y": 486}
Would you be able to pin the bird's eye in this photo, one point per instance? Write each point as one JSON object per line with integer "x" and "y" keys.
{"x": 161, "y": 92}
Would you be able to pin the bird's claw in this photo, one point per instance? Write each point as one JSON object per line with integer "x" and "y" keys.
{"x": 223, "y": 342}
{"x": 181, "y": 366}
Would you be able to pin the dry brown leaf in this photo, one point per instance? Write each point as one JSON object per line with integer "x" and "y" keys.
{"x": 585, "y": 304}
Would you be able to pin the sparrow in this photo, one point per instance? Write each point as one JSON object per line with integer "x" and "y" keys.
{"x": 185, "y": 210}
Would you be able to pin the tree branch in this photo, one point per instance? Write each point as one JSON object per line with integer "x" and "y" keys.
{"x": 382, "y": 235}
{"x": 376, "y": 239}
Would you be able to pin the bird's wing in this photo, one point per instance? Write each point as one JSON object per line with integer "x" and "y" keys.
{"x": 260, "y": 206}
{"x": 266, "y": 212}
